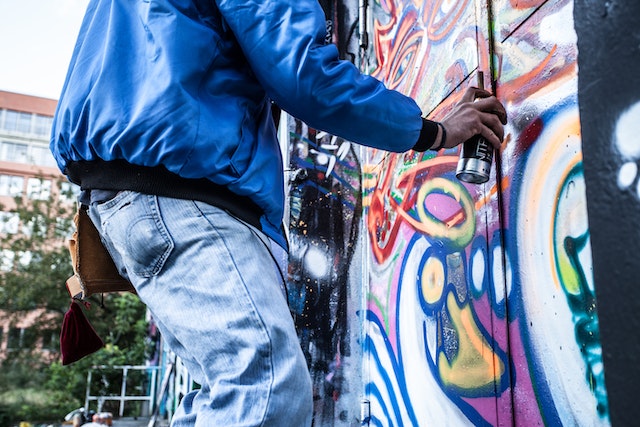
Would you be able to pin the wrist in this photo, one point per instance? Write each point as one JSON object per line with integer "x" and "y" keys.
{"x": 442, "y": 137}
{"x": 429, "y": 136}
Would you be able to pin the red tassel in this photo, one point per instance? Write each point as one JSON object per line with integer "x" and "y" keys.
{"x": 77, "y": 337}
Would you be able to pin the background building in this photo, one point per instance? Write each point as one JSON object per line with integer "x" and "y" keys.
{"x": 27, "y": 170}
{"x": 27, "y": 167}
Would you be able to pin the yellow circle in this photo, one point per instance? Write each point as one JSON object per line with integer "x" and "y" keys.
{"x": 432, "y": 280}
{"x": 460, "y": 234}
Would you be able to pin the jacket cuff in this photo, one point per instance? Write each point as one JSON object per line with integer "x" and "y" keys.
{"x": 428, "y": 135}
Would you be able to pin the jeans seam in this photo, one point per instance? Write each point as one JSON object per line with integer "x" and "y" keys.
{"x": 161, "y": 228}
{"x": 256, "y": 312}
{"x": 273, "y": 258}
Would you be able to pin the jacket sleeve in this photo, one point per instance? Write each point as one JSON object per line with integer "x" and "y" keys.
{"x": 283, "y": 41}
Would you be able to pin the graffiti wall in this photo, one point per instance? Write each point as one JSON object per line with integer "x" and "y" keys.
{"x": 480, "y": 307}
{"x": 324, "y": 216}
{"x": 422, "y": 300}
{"x": 437, "y": 338}
{"x": 325, "y": 208}
{"x": 609, "y": 94}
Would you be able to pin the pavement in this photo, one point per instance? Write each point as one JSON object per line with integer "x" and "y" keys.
{"x": 130, "y": 422}
{"x": 137, "y": 422}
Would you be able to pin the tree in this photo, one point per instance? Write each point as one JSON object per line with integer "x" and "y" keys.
{"x": 35, "y": 266}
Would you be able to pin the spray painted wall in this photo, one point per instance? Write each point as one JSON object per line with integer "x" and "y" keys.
{"x": 324, "y": 220}
{"x": 325, "y": 209}
{"x": 476, "y": 302}
{"x": 609, "y": 93}
{"x": 481, "y": 304}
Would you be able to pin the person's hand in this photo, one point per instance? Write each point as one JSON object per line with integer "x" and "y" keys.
{"x": 478, "y": 112}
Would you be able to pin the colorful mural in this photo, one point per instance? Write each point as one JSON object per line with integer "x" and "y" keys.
{"x": 609, "y": 94}
{"x": 478, "y": 303}
{"x": 324, "y": 201}
{"x": 424, "y": 49}
{"x": 481, "y": 306}
{"x": 546, "y": 229}
{"x": 325, "y": 207}
{"x": 437, "y": 337}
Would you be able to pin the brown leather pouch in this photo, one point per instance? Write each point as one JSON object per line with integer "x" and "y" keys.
{"x": 94, "y": 269}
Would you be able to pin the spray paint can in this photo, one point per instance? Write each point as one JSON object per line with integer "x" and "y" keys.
{"x": 476, "y": 155}
{"x": 474, "y": 165}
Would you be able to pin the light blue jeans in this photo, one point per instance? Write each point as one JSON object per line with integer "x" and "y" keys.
{"x": 214, "y": 288}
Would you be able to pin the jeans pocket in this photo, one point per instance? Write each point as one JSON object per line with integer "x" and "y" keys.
{"x": 133, "y": 227}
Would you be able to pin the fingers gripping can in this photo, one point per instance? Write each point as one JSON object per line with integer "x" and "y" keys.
{"x": 476, "y": 155}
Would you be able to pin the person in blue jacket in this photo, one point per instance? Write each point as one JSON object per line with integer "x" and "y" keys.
{"x": 165, "y": 123}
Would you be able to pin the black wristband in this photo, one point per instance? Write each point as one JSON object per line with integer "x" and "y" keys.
{"x": 443, "y": 138}
{"x": 428, "y": 135}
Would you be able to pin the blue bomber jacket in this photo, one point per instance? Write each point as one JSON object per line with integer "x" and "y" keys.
{"x": 185, "y": 87}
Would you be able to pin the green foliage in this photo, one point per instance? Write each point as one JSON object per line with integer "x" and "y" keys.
{"x": 40, "y": 388}
{"x": 41, "y": 258}
{"x": 30, "y": 404}
{"x": 121, "y": 324}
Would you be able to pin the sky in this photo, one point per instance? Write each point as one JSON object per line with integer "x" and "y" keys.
{"x": 36, "y": 43}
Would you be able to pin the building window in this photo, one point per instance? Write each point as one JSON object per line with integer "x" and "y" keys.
{"x": 13, "y": 152}
{"x": 50, "y": 339}
{"x": 20, "y": 338}
{"x": 11, "y": 185}
{"x": 69, "y": 192}
{"x": 17, "y": 121}
{"x": 38, "y": 189}
{"x": 42, "y": 125}
{"x": 36, "y": 224}
{"x": 18, "y": 152}
{"x": 64, "y": 227}
{"x": 13, "y": 338}
{"x": 40, "y": 155}
{"x": 25, "y": 257}
{"x": 6, "y": 260}
{"x": 26, "y": 123}
{"x": 9, "y": 222}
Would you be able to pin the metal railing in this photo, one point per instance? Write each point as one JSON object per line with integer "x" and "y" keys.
{"x": 144, "y": 387}
{"x": 158, "y": 396}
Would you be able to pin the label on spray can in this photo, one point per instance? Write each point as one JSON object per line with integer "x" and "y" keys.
{"x": 474, "y": 165}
